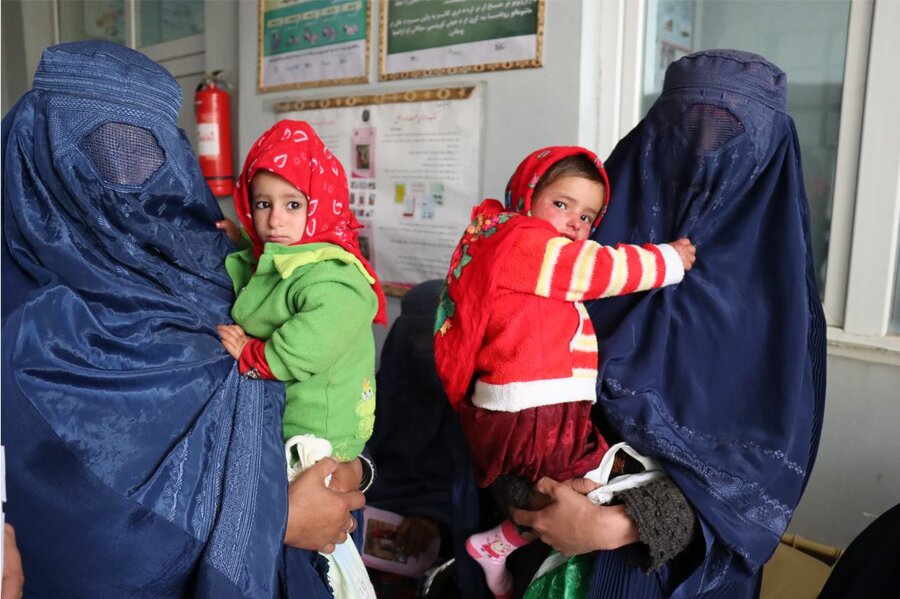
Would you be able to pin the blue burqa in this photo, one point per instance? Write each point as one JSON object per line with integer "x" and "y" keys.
{"x": 139, "y": 463}
{"x": 722, "y": 377}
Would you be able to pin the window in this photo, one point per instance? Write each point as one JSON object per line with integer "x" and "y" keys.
{"x": 171, "y": 32}
{"x": 92, "y": 20}
{"x": 166, "y": 20}
{"x": 808, "y": 41}
{"x": 157, "y": 20}
{"x": 840, "y": 58}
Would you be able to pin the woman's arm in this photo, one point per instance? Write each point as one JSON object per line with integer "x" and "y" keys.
{"x": 356, "y": 475}
{"x": 573, "y": 525}
{"x": 665, "y": 521}
{"x": 318, "y": 516}
{"x": 13, "y": 576}
{"x": 656, "y": 519}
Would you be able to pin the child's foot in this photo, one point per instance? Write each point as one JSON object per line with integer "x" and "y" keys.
{"x": 498, "y": 579}
{"x": 490, "y": 550}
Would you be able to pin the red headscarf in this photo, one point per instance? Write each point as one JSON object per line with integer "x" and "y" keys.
{"x": 293, "y": 151}
{"x": 467, "y": 296}
{"x": 521, "y": 186}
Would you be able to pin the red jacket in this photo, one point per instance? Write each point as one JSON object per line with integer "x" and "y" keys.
{"x": 539, "y": 346}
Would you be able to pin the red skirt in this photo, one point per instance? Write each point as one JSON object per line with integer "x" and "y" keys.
{"x": 559, "y": 441}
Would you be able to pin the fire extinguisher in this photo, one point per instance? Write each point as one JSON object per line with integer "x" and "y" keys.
{"x": 213, "y": 108}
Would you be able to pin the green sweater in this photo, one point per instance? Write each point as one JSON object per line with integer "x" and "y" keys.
{"x": 313, "y": 304}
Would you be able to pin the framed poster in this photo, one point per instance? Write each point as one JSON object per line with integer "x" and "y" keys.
{"x": 440, "y": 37}
{"x": 311, "y": 43}
{"x": 413, "y": 163}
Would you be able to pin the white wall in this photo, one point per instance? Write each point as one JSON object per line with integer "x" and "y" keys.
{"x": 857, "y": 475}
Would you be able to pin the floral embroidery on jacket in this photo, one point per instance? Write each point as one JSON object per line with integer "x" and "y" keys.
{"x": 482, "y": 227}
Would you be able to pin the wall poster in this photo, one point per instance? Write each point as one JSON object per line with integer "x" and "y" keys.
{"x": 413, "y": 160}
{"x": 439, "y": 37}
{"x": 311, "y": 43}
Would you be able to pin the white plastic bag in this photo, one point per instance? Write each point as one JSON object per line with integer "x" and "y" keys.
{"x": 347, "y": 574}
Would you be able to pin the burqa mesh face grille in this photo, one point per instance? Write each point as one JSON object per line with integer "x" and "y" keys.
{"x": 124, "y": 154}
{"x": 707, "y": 127}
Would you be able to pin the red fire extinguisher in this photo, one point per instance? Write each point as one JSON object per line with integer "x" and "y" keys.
{"x": 213, "y": 108}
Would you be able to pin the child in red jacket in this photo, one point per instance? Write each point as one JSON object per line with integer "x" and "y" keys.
{"x": 514, "y": 346}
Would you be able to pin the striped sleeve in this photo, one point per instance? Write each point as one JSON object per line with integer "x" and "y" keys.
{"x": 559, "y": 268}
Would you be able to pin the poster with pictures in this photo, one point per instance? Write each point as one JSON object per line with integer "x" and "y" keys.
{"x": 413, "y": 163}
{"x": 310, "y": 43}
{"x": 440, "y": 37}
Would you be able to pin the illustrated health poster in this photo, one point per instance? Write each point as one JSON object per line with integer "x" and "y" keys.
{"x": 413, "y": 160}
{"x": 309, "y": 43}
{"x": 438, "y": 37}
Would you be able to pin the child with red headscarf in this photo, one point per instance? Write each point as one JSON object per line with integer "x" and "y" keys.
{"x": 514, "y": 346}
{"x": 306, "y": 297}
{"x": 306, "y": 300}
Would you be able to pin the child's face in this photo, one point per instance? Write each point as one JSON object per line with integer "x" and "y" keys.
{"x": 570, "y": 204}
{"x": 278, "y": 209}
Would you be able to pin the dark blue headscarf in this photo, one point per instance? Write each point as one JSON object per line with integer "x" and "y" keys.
{"x": 721, "y": 377}
{"x": 139, "y": 462}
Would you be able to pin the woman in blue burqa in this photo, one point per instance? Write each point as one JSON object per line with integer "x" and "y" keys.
{"x": 722, "y": 377}
{"x": 139, "y": 463}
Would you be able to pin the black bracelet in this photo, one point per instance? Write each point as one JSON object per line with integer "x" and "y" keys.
{"x": 368, "y": 473}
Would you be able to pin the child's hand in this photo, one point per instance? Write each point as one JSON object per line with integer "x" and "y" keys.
{"x": 233, "y": 338}
{"x": 686, "y": 251}
{"x": 232, "y": 231}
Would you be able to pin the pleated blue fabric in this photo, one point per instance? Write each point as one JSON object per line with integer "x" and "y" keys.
{"x": 139, "y": 462}
{"x": 722, "y": 377}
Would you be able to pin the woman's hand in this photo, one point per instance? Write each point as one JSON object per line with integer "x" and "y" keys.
{"x": 233, "y": 338}
{"x": 230, "y": 228}
{"x": 415, "y": 534}
{"x": 13, "y": 577}
{"x": 318, "y": 516}
{"x": 347, "y": 476}
{"x": 573, "y": 525}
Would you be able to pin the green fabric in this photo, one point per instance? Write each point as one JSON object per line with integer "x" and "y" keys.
{"x": 314, "y": 307}
{"x": 571, "y": 580}
{"x": 287, "y": 263}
